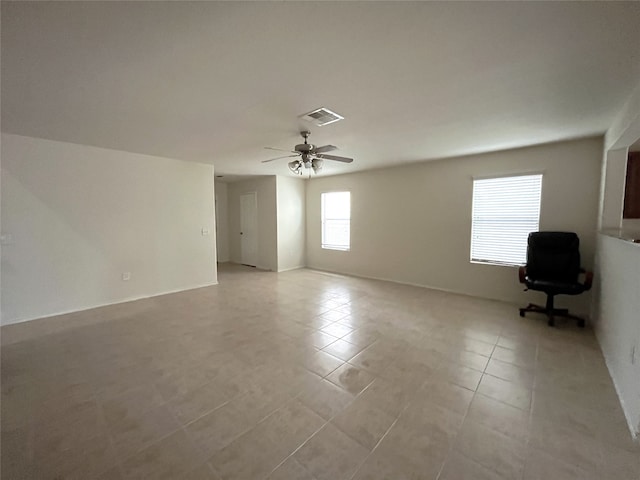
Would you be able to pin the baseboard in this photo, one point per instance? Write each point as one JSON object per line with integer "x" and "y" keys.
{"x": 106, "y": 304}
{"x": 410, "y": 284}
{"x": 291, "y": 268}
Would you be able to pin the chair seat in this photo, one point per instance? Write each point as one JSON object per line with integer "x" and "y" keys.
{"x": 555, "y": 287}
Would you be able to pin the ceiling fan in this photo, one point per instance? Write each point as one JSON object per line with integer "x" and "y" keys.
{"x": 310, "y": 155}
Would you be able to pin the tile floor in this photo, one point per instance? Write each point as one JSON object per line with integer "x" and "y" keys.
{"x": 305, "y": 375}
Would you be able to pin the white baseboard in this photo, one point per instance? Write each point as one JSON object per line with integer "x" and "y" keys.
{"x": 291, "y": 268}
{"x": 410, "y": 284}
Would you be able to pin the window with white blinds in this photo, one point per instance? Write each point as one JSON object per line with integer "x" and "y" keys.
{"x": 505, "y": 211}
{"x": 336, "y": 220}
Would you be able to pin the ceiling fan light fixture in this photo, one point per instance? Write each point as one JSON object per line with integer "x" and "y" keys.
{"x": 296, "y": 167}
{"x": 316, "y": 164}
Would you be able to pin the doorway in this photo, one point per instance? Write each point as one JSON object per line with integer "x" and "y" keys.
{"x": 248, "y": 229}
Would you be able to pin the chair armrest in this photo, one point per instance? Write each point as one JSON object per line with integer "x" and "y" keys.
{"x": 522, "y": 273}
{"x": 588, "y": 279}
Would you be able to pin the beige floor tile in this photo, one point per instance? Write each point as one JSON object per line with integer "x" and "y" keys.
{"x": 181, "y": 382}
{"x": 361, "y": 338}
{"x": 460, "y": 375}
{"x": 111, "y": 474}
{"x": 493, "y": 450}
{"x": 325, "y": 398}
{"x": 133, "y": 433}
{"x": 289, "y": 427}
{"x": 16, "y": 457}
{"x": 567, "y": 445}
{"x": 387, "y": 467}
{"x": 202, "y": 400}
{"x": 67, "y": 433}
{"x": 131, "y": 403}
{"x": 95, "y": 394}
{"x": 522, "y": 357}
{"x": 501, "y": 417}
{"x": 508, "y": 392}
{"x": 477, "y": 346}
{"x": 219, "y": 428}
{"x": 364, "y": 423}
{"x": 511, "y": 373}
{"x": 204, "y": 472}
{"x": 291, "y": 469}
{"x": 459, "y": 467}
{"x": 351, "y": 378}
{"x": 418, "y": 450}
{"x": 320, "y": 339}
{"x": 373, "y": 359}
{"x": 620, "y": 463}
{"x": 247, "y": 460}
{"x": 169, "y": 458}
{"x": 440, "y": 392}
{"x": 542, "y": 466}
{"x": 470, "y": 359}
{"x": 388, "y": 396}
{"x": 331, "y": 455}
{"x": 432, "y": 419}
{"x": 322, "y": 363}
{"x": 335, "y": 329}
{"x": 87, "y": 459}
{"x": 258, "y": 452}
{"x": 342, "y": 349}
{"x": 408, "y": 372}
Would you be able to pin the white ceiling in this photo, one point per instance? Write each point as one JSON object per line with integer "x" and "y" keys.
{"x": 216, "y": 82}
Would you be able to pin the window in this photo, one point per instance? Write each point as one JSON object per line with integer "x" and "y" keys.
{"x": 336, "y": 220}
{"x": 505, "y": 211}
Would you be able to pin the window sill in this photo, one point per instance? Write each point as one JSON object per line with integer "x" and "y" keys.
{"x": 339, "y": 249}
{"x": 497, "y": 264}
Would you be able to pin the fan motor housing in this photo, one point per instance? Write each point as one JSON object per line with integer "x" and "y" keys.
{"x": 304, "y": 147}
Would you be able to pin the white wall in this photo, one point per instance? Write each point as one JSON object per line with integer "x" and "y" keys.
{"x": 81, "y": 216}
{"x": 291, "y": 193}
{"x": 618, "y": 313}
{"x": 265, "y": 188}
{"x": 617, "y": 292}
{"x": 412, "y": 224}
{"x": 222, "y": 221}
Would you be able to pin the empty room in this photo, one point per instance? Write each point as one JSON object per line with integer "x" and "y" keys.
{"x": 320, "y": 240}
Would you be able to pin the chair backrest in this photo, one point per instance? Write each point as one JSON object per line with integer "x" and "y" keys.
{"x": 553, "y": 256}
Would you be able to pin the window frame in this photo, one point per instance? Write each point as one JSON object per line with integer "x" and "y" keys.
{"x": 494, "y": 261}
{"x": 327, "y": 246}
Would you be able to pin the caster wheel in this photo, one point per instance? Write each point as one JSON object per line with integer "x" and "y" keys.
{"x": 581, "y": 323}
{"x": 522, "y": 313}
{"x": 551, "y": 322}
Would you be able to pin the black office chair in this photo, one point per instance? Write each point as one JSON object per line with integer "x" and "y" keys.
{"x": 553, "y": 267}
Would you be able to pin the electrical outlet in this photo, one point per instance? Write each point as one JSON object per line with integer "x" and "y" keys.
{"x": 126, "y": 276}
{"x": 205, "y": 231}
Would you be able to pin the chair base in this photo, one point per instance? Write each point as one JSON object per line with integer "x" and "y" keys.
{"x": 551, "y": 313}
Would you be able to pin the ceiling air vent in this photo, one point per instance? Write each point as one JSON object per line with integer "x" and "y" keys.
{"x": 321, "y": 116}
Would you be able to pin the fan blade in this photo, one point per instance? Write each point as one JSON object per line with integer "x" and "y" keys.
{"x": 279, "y": 149}
{"x": 334, "y": 157}
{"x": 325, "y": 148}
{"x": 278, "y": 158}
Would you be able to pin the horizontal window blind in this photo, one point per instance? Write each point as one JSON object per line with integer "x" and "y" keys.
{"x": 336, "y": 220}
{"x": 505, "y": 211}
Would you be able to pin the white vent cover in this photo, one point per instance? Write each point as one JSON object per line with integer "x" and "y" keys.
{"x": 322, "y": 116}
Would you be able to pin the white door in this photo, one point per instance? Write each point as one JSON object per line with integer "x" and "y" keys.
{"x": 248, "y": 229}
